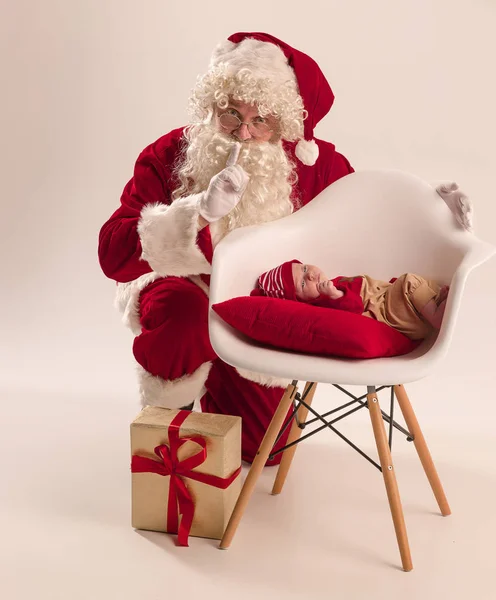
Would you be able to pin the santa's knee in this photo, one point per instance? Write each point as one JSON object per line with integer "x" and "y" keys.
{"x": 173, "y": 349}
{"x": 173, "y": 302}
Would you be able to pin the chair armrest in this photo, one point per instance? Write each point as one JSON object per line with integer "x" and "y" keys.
{"x": 478, "y": 254}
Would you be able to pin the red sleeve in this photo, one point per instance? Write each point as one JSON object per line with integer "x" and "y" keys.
{"x": 119, "y": 248}
{"x": 350, "y": 301}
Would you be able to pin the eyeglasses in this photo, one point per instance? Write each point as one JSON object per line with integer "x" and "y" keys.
{"x": 231, "y": 122}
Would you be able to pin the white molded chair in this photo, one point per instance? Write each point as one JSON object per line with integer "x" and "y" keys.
{"x": 382, "y": 223}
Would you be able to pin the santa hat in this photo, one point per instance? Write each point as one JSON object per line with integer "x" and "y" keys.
{"x": 268, "y": 58}
{"x": 278, "y": 282}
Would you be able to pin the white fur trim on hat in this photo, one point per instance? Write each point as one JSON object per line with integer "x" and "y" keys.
{"x": 307, "y": 151}
{"x": 265, "y": 59}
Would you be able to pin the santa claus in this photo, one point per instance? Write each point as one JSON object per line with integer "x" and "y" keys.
{"x": 249, "y": 156}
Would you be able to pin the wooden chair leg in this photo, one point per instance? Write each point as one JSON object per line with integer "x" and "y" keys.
{"x": 389, "y": 479}
{"x": 258, "y": 465}
{"x": 294, "y": 434}
{"x": 422, "y": 449}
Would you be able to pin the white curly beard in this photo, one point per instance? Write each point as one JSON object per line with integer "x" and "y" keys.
{"x": 267, "y": 196}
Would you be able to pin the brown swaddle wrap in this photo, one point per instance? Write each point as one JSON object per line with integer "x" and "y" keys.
{"x": 399, "y": 304}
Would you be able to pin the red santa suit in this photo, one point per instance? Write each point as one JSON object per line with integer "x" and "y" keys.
{"x": 153, "y": 248}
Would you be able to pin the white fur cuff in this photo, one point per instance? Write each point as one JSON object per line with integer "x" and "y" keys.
{"x": 168, "y": 238}
{"x": 155, "y": 391}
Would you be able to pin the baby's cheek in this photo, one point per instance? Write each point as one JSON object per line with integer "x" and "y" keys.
{"x": 315, "y": 293}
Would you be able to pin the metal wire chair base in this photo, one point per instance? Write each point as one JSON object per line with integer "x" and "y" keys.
{"x": 360, "y": 402}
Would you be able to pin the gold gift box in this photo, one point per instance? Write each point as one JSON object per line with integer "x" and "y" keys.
{"x": 150, "y": 492}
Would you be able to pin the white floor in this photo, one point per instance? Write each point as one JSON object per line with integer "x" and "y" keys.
{"x": 66, "y": 534}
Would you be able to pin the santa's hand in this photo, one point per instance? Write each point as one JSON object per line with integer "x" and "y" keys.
{"x": 225, "y": 189}
{"x": 459, "y": 204}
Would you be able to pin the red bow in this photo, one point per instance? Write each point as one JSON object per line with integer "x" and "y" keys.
{"x": 180, "y": 500}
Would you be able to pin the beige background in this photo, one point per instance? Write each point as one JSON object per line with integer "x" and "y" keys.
{"x": 86, "y": 84}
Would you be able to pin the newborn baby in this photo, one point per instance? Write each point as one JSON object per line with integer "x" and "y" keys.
{"x": 410, "y": 303}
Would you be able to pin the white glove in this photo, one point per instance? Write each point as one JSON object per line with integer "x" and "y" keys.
{"x": 459, "y": 204}
{"x": 225, "y": 189}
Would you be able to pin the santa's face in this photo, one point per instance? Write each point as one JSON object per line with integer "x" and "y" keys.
{"x": 243, "y": 122}
{"x": 268, "y": 194}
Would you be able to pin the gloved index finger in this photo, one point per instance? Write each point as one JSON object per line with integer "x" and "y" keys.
{"x": 232, "y": 159}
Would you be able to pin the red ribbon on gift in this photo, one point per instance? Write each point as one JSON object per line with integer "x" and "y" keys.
{"x": 180, "y": 500}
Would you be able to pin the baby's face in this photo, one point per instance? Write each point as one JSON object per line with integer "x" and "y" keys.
{"x": 310, "y": 281}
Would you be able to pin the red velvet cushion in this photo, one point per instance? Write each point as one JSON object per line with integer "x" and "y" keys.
{"x": 311, "y": 329}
